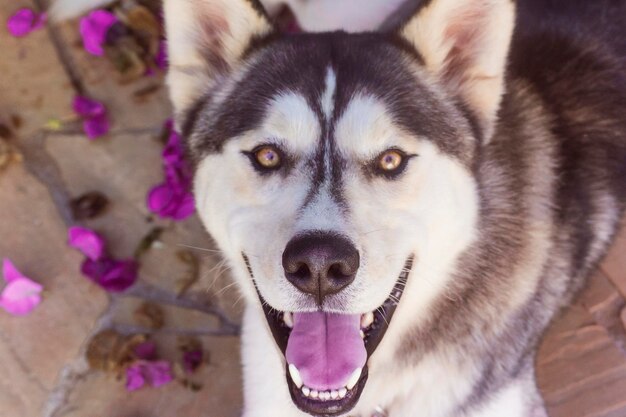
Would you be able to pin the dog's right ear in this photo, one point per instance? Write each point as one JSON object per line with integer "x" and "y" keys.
{"x": 206, "y": 39}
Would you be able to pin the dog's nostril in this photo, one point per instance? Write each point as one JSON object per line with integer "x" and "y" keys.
{"x": 302, "y": 272}
{"x": 320, "y": 263}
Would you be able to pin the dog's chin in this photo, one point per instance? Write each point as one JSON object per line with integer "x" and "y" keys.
{"x": 337, "y": 400}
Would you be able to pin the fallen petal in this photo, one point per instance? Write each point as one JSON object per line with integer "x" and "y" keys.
{"x": 186, "y": 207}
{"x": 90, "y": 243}
{"x": 192, "y": 360}
{"x": 111, "y": 274}
{"x": 24, "y": 21}
{"x": 21, "y": 295}
{"x": 94, "y": 28}
{"x": 146, "y": 351}
{"x": 96, "y": 126}
{"x": 158, "y": 373}
{"x": 87, "y": 107}
{"x": 160, "y": 197}
{"x": 161, "y": 57}
{"x": 10, "y": 272}
{"x": 134, "y": 377}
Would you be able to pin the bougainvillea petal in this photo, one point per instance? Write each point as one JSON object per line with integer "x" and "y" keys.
{"x": 146, "y": 351}
{"x": 21, "y": 295}
{"x": 192, "y": 360}
{"x": 90, "y": 243}
{"x": 173, "y": 198}
{"x": 186, "y": 207}
{"x": 134, "y": 377}
{"x": 111, "y": 274}
{"x": 24, "y": 21}
{"x": 161, "y": 57}
{"x": 96, "y": 122}
{"x": 96, "y": 126}
{"x": 94, "y": 28}
{"x": 160, "y": 197}
{"x": 87, "y": 107}
{"x": 158, "y": 373}
{"x": 10, "y": 272}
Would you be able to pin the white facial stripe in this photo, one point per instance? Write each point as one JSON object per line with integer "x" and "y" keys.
{"x": 328, "y": 103}
{"x": 366, "y": 128}
{"x": 290, "y": 121}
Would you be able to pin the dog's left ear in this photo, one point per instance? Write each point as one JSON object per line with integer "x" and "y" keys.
{"x": 465, "y": 44}
{"x": 206, "y": 40}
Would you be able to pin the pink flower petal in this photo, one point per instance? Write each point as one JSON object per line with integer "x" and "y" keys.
{"x": 186, "y": 207}
{"x": 24, "y": 21}
{"x": 158, "y": 373}
{"x": 94, "y": 28}
{"x": 173, "y": 198}
{"x": 134, "y": 377}
{"x": 160, "y": 197}
{"x": 192, "y": 360}
{"x": 22, "y": 294}
{"x": 87, "y": 107}
{"x": 111, "y": 274}
{"x": 161, "y": 57}
{"x": 87, "y": 241}
{"x": 146, "y": 351}
{"x": 96, "y": 126}
{"x": 10, "y": 272}
{"x": 96, "y": 122}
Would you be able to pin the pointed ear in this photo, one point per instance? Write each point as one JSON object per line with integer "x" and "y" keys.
{"x": 206, "y": 39}
{"x": 465, "y": 44}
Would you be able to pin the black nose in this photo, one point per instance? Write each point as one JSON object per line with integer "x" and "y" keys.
{"x": 320, "y": 263}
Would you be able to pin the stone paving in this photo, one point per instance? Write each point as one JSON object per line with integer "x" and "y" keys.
{"x": 43, "y": 372}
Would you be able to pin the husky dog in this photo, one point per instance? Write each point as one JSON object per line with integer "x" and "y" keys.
{"x": 404, "y": 211}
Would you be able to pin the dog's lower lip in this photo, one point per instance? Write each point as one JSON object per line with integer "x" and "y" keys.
{"x": 280, "y": 324}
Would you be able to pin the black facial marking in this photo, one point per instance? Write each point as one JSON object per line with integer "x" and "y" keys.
{"x": 371, "y": 64}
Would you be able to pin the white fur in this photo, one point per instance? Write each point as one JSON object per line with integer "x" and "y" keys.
{"x": 430, "y": 212}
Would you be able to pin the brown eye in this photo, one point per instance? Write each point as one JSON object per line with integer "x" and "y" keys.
{"x": 390, "y": 160}
{"x": 268, "y": 157}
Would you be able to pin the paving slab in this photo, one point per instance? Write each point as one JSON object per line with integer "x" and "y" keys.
{"x": 100, "y": 394}
{"x": 35, "y": 347}
{"x": 581, "y": 369}
{"x": 35, "y": 87}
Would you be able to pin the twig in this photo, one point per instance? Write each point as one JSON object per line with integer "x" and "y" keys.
{"x": 150, "y": 292}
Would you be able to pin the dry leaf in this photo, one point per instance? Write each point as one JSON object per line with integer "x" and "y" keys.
{"x": 88, "y": 205}
{"x": 148, "y": 241}
{"x": 150, "y": 315}
{"x": 191, "y": 274}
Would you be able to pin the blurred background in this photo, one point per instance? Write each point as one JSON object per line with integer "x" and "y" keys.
{"x": 115, "y": 302}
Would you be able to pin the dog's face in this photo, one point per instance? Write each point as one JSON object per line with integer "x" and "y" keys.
{"x": 330, "y": 167}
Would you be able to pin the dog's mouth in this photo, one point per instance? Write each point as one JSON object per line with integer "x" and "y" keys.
{"x": 327, "y": 353}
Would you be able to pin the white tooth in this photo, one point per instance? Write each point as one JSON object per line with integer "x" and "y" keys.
{"x": 288, "y": 319}
{"x": 314, "y": 393}
{"x": 334, "y": 394}
{"x": 295, "y": 375}
{"x": 342, "y": 392}
{"x": 362, "y": 333}
{"x": 366, "y": 320}
{"x": 306, "y": 391}
{"x": 326, "y": 396}
{"x": 354, "y": 378}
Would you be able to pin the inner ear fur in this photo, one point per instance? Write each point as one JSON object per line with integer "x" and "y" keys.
{"x": 206, "y": 39}
{"x": 465, "y": 44}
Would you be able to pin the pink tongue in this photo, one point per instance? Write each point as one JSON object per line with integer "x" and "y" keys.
{"x": 326, "y": 348}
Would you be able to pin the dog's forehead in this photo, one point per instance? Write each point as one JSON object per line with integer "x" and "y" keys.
{"x": 314, "y": 80}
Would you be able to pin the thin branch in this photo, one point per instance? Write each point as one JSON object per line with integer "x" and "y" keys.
{"x": 153, "y": 293}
